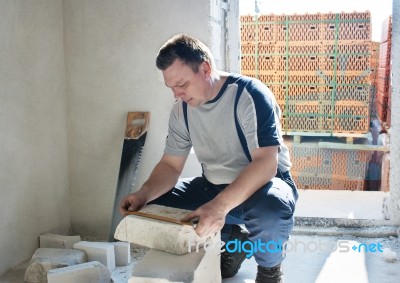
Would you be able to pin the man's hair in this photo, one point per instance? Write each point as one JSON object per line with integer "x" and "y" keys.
{"x": 191, "y": 51}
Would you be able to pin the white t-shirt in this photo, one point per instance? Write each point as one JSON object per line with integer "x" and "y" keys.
{"x": 212, "y": 129}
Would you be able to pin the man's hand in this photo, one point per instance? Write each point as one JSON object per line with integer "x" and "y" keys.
{"x": 211, "y": 218}
{"x": 132, "y": 202}
{"x": 163, "y": 177}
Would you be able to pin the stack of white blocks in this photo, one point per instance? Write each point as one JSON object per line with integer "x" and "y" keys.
{"x": 177, "y": 253}
{"x": 62, "y": 259}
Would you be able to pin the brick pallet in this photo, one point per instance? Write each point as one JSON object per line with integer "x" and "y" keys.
{"x": 324, "y": 71}
{"x": 386, "y": 31}
{"x": 313, "y": 64}
{"x": 325, "y": 117}
{"x": 328, "y": 169}
{"x": 341, "y": 63}
{"x": 389, "y": 108}
{"x": 382, "y": 80}
{"x": 374, "y": 61}
{"x": 307, "y": 182}
{"x": 374, "y": 77}
{"x": 317, "y": 27}
{"x": 384, "y": 55}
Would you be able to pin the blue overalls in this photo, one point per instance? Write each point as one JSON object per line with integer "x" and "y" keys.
{"x": 267, "y": 214}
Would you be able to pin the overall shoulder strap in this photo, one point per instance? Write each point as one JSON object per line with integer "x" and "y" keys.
{"x": 184, "y": 106}
{"x": 242, "y": 138}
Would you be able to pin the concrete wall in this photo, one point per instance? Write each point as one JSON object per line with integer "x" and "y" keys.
{"x": 33, "y": 138}
{"x": 110, "y": 51}
{"x": 395, "y": 119}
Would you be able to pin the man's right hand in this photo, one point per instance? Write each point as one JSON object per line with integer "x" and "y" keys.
{"x": 132, "y": 202}
{"x": 163, "y": 177}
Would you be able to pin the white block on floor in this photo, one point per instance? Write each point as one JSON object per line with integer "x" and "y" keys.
{"x": 98, "y": 251}
{"x": 45, "y": 259}
{"x": 122, "y": 253}
{"x": 88, "y": 272}
{"x": 195, "y": 267}
{"x": 49, "y": 240}
{"x": 156, "y": 234}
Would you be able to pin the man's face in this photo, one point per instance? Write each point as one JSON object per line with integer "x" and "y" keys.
{"x": 193, "y": 88}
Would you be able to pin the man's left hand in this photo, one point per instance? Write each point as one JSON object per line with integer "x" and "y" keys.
{"x": 211, "y": 218}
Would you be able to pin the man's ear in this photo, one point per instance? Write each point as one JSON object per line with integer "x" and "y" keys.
{"x": 206, "y": 68}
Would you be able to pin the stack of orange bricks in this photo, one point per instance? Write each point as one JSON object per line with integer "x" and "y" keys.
{"x": 317, "y": 66}
{"x": 328, "y": 169}
{"x": 374, "y": 77}
{"x": 383, "y": 93}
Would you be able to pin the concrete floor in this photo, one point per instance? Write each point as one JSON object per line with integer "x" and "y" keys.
{"x": 310, "y": 264}
{"x": 316, "y": 257}
{"x": 316, "y": 254}
{"x": 340, "y": 204}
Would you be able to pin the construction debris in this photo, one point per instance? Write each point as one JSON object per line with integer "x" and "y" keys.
{"x": 86, "y": 272}
{"x": 45, "y": 259}
{"x": 63, "y": 258}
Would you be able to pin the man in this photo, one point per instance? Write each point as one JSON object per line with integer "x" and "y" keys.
{"x": 233, "y": 124}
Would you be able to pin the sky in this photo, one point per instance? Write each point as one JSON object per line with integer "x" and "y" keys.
{"x": 379, "y": 9}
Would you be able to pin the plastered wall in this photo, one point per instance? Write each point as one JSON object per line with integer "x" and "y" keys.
{"x": 34, "y": 181}
{"x": 70, "y": 70}
{"x": 395, "y": 124}
{"x": 110, "y": 49}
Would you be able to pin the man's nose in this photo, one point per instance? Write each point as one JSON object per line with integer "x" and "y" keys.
{"x": 178, "y": 94}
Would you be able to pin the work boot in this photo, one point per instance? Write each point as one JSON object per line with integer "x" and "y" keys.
{"x": 269, "y": 275}
{"x": 231, "y": 262}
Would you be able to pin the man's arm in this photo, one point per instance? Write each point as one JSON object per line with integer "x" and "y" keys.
{"x": 259, "y": 172}
{"x": 163, "y": 177}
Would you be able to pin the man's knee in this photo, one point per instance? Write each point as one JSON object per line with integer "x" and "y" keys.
{"x": 275, "y": 199}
